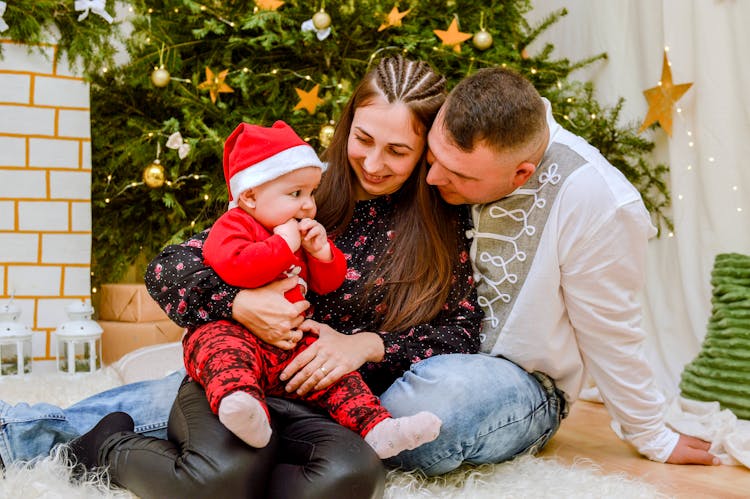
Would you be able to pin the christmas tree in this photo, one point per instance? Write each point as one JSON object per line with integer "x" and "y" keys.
{"x": 721, "y": 370}
{"x": 198, "y": 68}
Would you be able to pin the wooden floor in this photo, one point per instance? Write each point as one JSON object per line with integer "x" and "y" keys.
{"x": 586, "y": 434}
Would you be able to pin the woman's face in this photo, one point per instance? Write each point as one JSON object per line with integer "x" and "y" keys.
{"x": 383, "y": 148}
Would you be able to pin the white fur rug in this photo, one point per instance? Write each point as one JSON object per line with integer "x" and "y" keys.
{"x": 526, "y": 477}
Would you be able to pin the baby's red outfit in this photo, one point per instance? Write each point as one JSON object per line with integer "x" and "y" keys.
{"x": 225, "y": 357}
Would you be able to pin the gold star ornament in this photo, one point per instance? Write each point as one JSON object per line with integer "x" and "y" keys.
{"x": 308, "y": 100}
{"x": 452, "y": 37}
{"x": 662, "y": 98}
{"x": 215, "y": 84}
{"x": 393, "y": 18}
{"x": 268, "y": 4}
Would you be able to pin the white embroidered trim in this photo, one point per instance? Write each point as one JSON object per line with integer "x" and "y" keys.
{"x": 520, "y": 217}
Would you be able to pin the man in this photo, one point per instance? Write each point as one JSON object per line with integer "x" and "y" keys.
{"x": 559, "y": 249}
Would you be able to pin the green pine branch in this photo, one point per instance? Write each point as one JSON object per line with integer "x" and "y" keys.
{"x": 91, "y": 42}
{"x": 268, "y": 56}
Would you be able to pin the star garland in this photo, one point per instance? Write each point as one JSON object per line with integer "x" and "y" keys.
{"x": 268, "y": 4}
{"x": 393, "y": 18}
{"x": 452, "y": 37}
{"x": 215, "y": 84}
{"x": 308, "y": 100}
{"x": 662, "y": 98}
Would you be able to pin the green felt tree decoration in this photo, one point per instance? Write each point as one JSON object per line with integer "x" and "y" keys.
{"x": 721, "y": 371}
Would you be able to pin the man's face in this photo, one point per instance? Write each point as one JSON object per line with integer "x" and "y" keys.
{"x": 480, "y": 176}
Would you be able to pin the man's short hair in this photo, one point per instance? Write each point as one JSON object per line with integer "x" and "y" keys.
{"x": 495, "y": 107}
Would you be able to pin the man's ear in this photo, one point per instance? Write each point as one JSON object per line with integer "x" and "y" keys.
{"x": 524, "y": 171}
{"x": 247, "y": 199}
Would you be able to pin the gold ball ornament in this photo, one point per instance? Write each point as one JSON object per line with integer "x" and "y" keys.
{"x": 321, "y": 19}
{"x": 326, "y": 135}
{"x": 482, "y": 40}
{"x": 153, "y": 175}
{"x": 160, "y": 77}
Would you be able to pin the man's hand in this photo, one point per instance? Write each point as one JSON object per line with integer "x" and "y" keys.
{"x": 269, "y": 315}
{"x": 691, "y": 450}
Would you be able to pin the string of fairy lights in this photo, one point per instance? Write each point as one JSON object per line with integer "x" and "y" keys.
{"x": 154, "y": 175}
{"x": 451, "y": 41}
{"x": 689, "y": 137}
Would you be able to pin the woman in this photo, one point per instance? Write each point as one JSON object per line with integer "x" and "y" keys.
{"x": 408, "y": 296}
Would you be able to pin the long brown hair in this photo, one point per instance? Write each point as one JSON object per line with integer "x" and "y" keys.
{"x": 418, "y": 269}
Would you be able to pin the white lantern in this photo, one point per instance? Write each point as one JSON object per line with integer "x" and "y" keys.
{"x": 79, "y": 346}
{"x": 15, "y": 342}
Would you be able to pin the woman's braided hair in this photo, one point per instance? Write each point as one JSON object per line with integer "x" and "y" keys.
{"x": 418, "y": 272}
{"x": 407, "y": 81}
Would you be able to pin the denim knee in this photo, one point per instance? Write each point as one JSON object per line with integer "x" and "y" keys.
{"x": 491, "y": 410}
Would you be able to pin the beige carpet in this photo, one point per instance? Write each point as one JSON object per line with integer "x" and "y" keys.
{"x": 527, "y": 477}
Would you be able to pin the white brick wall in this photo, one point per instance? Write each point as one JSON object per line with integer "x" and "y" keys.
{"x": 61, "y": 92}
{"x": 43, "y": 216}
{"x": 54, "y": 153}
{"x": 80, "y": 217}
{"x": 16, "y": 120}
{"x": 7, "y": 216}
{"x": 66, "y": 248}
{"x": 86, "y": 152}
{"x": 17, "y": 58}
{"x": 34, "y": 280}
{"x": 74, "y": 124}
{"x": 12, "y": 151}
{"x": 70, "y": 185}
{"x": 56, "y": 313}
{"x": 19, "y": 184}
{"x": 45, "y": 188}
{"x": 77, "y": 281}
{"x": 20, "y": 248}
{"x": 15, "y": 88}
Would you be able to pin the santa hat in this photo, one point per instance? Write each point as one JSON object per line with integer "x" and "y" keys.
{"x": 254, "y": 155}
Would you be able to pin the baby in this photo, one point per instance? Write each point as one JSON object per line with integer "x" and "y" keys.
{"x": 269, "y": 233}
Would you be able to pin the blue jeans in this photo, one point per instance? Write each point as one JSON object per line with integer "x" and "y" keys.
{"x": 492, "y": 411}
{"x": 29, "y": 431}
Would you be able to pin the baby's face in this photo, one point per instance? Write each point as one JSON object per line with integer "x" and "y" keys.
{"x": 286, "y": 197}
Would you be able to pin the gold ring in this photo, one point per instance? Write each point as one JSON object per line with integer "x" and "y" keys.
{"x": 323, "y": 369}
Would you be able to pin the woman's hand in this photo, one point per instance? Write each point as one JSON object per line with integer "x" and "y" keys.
{"x": 328, "y": 359}
{"x": 268, "y": 315}
{"x": 691, "y": 450}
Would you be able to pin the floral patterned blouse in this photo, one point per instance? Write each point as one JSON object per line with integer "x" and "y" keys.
{"x": 192, "y": 293}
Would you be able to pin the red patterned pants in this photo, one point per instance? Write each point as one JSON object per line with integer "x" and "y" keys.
{"x": 225, "y": 357}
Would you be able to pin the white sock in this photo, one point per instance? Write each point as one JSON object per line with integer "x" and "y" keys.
{"x": 244, "y": 416}
{"x": 391, "y": 436}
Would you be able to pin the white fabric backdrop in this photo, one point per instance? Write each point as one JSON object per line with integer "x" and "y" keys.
{"x": 709, "y": 45}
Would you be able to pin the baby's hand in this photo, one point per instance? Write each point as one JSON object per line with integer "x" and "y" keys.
{"x": 315, "y": 239}
{"x": 290, "y": 232}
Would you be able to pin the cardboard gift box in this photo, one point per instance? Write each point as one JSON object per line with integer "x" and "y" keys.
{"x": 119, "y": 338}
{"x": 128, "y": 303}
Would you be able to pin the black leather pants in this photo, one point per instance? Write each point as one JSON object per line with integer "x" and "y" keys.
{"x": 309, "y": 456}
